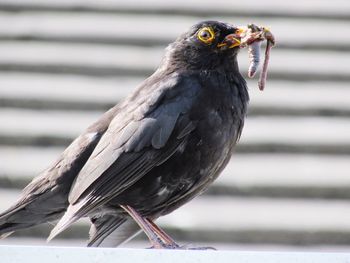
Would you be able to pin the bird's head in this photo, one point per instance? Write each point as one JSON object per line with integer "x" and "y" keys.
{"x": 205, "y": 45}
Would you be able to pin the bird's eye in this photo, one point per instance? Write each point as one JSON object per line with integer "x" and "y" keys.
{"x": 206, "y": 35}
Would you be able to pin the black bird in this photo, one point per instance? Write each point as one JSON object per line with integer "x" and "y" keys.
{"x": 152, "y": 153}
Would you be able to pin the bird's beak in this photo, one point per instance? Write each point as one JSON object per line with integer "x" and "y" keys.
{"x": 233, "y": 40}
{"x": 241, "y": 31}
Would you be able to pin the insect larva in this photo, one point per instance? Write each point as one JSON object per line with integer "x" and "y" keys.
{"x": 252, "y": 38}
{"x": 254, "y": 57}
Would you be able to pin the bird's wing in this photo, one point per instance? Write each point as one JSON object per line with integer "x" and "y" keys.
{"x": 133, "y": 144}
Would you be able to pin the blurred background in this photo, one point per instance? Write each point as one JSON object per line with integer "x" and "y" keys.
{"x": 64, "y": 62}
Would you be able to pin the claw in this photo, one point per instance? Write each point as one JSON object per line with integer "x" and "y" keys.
{"x": 186, "y": 247}
{"x": 183, "y": 247}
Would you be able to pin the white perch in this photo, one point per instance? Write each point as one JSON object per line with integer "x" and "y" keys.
{"x": 18, "y": 254}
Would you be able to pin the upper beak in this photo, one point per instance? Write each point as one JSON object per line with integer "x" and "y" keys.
{"x": 241, "y": 31}
{"x": 233, "y": 40}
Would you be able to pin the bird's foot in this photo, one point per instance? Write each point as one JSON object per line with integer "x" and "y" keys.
{"x": 191, "y": 247}
{"x": 165, "y": 246}
{"x": 183, "y": 247}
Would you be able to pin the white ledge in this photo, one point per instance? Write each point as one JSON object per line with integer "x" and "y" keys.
{"x": 12, "y": 254}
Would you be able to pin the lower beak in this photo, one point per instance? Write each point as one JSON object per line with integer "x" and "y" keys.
{"x": 233, "y": 40}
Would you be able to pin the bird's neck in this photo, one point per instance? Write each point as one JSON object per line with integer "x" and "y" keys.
{"x": 184, "y": 59}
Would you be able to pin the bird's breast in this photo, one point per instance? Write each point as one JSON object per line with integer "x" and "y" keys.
{"x": 221, "y": 119}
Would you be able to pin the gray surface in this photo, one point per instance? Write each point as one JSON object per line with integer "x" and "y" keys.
{"x": 86, "y": 57}
{"x": 110, "y": 28}
{"x": 320, "y": 176}
{"x": 311, "y": 9}
{"x": 88, "y": 93}
{"x": 303, "y": 130}
{"x": 269, "y": 169}
{"x": 313, "y": 95}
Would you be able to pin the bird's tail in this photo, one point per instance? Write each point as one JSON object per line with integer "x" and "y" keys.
{"x": 112, "y": 231}
{"x": 18, "y": 217}
{"x": 28, "y": 212}
{"x": 70, "y": 216}
{"x": 12, "y": 220}
{"x": 5, "y": 235}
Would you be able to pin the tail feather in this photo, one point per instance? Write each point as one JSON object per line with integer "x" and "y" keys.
{"x": 19, "y": 217}
{"x": 5, "y": 235}
{"x": 7, "y": 228}
{"x": 15, "y": 218}
{"x": 101, "y": 227}
{"x": 112, "y": 231}
{"x": 70, "y": 216}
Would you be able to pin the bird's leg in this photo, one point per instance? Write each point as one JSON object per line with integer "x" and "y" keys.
{"x": 158, "y": 238}
{"x": 169, "y": 242}
{"x": 155, "y": 240}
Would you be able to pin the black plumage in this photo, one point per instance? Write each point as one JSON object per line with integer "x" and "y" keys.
{"x": 158, "y": 149}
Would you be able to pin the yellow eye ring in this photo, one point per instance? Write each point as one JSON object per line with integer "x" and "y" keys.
{"x": 206, "y": 35}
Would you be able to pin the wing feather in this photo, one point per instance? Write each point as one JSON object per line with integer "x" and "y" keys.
{"x": 132, "y": 146}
